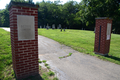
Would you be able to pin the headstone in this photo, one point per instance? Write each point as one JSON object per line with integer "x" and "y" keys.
{"x": 102, "y": 35}
{"x": 24, "y": 38}
{"x": 47, "y": 27}
{"x": 40, "y": 26}
{"x": 61, "y": 29}
{"x": 59, "y": 26}
{"x": 64, "y": 29}
{"x": 53, "y": 26}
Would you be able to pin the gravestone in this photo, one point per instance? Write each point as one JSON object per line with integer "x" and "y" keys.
{"x": 40, "y": 26}
{"x": 53, "y": 26}
{"x": 64, "y": 29}
{"x": 47, "y": 27}
{"x": 59, "y": 26}
{"x": 24, "y": 38}
{"x": 61, "y": 29}
{"x": 102, "y": 35}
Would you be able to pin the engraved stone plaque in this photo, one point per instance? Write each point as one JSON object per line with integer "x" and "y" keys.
{"x": 26, "y": 29}
{"x": 108, "y": 31}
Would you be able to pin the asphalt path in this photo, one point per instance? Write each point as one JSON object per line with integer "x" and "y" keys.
{"x": 78, "y": 66}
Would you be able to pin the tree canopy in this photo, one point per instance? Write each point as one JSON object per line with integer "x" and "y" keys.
{"x": 72, "y": 15}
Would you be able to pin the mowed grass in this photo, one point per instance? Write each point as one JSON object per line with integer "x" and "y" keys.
{"x": 83, "y": 41}
{"x": 6, "y": 70}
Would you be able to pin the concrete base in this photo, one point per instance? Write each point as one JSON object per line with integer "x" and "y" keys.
{"x": 106, "y": 54}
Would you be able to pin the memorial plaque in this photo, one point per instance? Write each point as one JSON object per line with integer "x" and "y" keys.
{"x": 108, "y": 31}
{"x": 26, "y": 29}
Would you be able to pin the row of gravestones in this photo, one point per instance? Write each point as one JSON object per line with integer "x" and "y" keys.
{"x": 53, "y": 26}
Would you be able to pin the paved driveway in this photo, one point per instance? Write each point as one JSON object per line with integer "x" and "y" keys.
{"x": 78, "y": 66}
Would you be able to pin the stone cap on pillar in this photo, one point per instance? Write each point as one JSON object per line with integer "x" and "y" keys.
{"x": 22, "y": 4}
{"x": 103, "y": 18}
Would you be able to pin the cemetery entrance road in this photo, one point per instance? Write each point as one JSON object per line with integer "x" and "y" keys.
{"x": 78, "y": 66}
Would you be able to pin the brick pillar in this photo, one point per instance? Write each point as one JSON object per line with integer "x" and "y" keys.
{"x": 102, "y": 35}
{"x": 24, "y": 38}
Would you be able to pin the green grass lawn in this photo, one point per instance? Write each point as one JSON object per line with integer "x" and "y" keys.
{"x": 83, "y": 41}
{"x": 6, "y": 70}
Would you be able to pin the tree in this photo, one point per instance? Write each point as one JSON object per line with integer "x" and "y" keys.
{"x": 4, "y": 17}
{"x": 72, "y": 14}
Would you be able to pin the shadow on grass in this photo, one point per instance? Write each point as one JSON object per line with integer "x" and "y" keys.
{"x": 36, "y": 77}
{"x": 113, "y": 57}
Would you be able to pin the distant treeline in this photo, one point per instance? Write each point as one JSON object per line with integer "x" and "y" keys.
{"x": 72, "y": 15}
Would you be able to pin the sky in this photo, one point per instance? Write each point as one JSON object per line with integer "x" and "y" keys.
{"x": 4, "y": 2}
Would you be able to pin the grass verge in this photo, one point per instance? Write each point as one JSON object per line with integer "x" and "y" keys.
{"x": 83, "y": 41}
{"x": 6, "y": 70}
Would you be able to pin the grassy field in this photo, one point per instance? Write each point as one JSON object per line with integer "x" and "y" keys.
{"x": 83, "y": 41}
{"x": 6, "y": 70}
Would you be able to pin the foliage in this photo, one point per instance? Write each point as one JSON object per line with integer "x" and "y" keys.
{"x": 60, "y": 57}
{"x": 39, "y": 67}
{"x": 66, "y": 56}
{"x": 45, "y": 76}
{"x": 55, "y": 78}
{"x": 44, "y": 61}
{"x": 4, "y": 18}
{"x": 46, "y": 64}
{"x": 40, "y": 61}
{"x": 72, "y": 15}
{"x": 83, "y": 41}
{"x": 70, "y": 54}
{"x": 50, "y": 73}
{"x": 48, "y": 67}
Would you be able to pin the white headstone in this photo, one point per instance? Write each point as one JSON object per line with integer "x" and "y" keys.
{"x": 40, "y": 26}
{"x": 59, "y": 26}
{"x": 53, "y": 26}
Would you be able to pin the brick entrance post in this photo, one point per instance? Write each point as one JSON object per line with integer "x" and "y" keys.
{"x": 102, "y": 35}
{"x": 24, "y": 38}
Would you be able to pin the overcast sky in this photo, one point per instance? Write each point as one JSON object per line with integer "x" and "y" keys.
{"x": 4, "y": 2}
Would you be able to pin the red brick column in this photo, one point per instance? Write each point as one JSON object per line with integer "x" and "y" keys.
{"x": 102, "y": 40}
{"x": 24, "y": 52}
